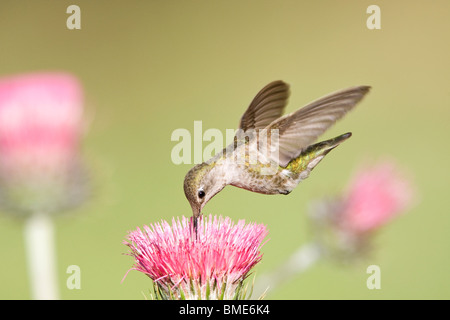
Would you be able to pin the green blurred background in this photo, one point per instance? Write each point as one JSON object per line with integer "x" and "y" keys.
{"x": 150, "y": 67}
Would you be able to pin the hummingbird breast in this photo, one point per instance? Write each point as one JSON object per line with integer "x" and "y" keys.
{"x": 266, "y": 184}
{"x": 249, "y": 169}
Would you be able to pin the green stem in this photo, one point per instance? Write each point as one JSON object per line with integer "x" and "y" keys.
{"x": 40, "y": 252}
{"x": 301, "y": 260}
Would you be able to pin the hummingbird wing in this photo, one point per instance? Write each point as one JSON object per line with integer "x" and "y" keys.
{"x": 296, "y": 131}
{"x": 267, "y": 106}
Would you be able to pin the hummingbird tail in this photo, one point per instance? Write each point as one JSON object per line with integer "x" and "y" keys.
{"x": 312, "y": 155}
{"x": 322, "y": 148}
{"x": 333, "y": 143}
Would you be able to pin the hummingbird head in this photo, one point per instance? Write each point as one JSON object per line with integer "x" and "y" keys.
{"x": 200, "y": 185}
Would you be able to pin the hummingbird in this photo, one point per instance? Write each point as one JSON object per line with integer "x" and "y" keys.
{"x": 245, "y": 164}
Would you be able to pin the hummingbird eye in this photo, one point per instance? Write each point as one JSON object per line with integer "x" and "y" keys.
{"x": 201, "y": 194}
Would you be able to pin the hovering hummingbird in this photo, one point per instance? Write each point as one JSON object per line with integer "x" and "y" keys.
{"x": 244, "y": 164}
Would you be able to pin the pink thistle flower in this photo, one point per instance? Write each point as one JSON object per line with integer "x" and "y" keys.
{"x": 376, "y": 195}
{"x": 40, "y": 131}
{"x": 209, "y": 264}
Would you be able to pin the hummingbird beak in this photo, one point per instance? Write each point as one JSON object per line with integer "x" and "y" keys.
{"x": 196, "y": 212}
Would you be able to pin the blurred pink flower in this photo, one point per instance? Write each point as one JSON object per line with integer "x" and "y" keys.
{"x": 211, "y": 264}
{"x": 376, "y": 195}
{"x": 40, "y": 131}
{"x": 344, "y": 224}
